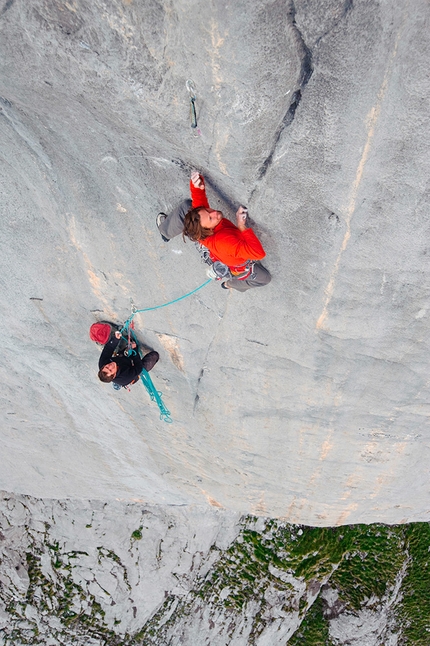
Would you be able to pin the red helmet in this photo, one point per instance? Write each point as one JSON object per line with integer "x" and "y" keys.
{"x": 100, "y": 332}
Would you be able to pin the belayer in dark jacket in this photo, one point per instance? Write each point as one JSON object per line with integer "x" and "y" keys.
{"x": 121, "y": 369}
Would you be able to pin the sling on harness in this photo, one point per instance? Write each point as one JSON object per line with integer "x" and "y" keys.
{"x": 219, "y": 271}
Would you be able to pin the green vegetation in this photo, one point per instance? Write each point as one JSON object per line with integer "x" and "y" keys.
{"x": 279, "y": 568}
{"x": 372, "y": 559}
{"x": 361, "y": 563}
{"x": 313, "y": 630}
{"x": 137, "y": 534}
{"x": 415, "y": 603}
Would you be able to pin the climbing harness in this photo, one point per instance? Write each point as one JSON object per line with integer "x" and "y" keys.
{"x": 204, "y": 253}
{"x": 217, "y": 270}
{"x": 193, "y": 115}
{"x": 249, "y": 271}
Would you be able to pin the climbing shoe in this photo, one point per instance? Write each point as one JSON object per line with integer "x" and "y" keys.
{"x": 160, "y": 218}
{"x": 225, "y": 286}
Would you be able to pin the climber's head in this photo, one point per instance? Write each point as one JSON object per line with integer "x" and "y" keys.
{"x": 108, "y": 372}
{"x": 199, "y": 223}
{"x": 209, "y": 218}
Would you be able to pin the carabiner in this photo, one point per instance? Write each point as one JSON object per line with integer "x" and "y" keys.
{"x": 192, "y": 92}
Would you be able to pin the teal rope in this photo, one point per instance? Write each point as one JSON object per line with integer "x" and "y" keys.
{"x": 154, "y": 394}
{"x": 157, "y": 307}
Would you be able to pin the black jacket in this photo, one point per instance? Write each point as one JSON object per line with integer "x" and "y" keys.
{"x": 128, "y": 367}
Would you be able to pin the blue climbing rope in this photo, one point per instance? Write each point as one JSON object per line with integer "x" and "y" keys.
{"x": 127, "y": 333}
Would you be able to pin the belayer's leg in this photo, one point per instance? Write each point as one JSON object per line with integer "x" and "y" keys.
{"x": 259, "y": 277}
{"x": 150, "y": 359}
{"x": 172, "y": 225}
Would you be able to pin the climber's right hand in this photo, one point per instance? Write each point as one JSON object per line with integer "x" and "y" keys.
{"x": 197, "y": 180}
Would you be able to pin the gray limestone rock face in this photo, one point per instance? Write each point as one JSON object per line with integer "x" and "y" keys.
{"x": 111, "y": 564}
{"x": 78, "y": 572}
{"x": 307, "y": 399}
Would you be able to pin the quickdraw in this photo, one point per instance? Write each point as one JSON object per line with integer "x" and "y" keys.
{"x": 193, "y": 114}
{"x": 192, "y": 92}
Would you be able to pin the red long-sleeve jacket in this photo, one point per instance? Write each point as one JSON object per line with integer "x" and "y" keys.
{"x": 227, "y": 243}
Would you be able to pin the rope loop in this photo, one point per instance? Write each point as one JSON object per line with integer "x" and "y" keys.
{"x": 155, "y": 395}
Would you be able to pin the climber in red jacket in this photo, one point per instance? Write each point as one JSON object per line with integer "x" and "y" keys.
{"x": 233, "y": 251}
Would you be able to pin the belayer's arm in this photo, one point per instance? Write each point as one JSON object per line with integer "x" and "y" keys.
{"x": 137, "y": 363}
{"x": 107, "y": 352}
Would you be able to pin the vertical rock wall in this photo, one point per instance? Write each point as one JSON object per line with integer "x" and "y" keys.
{"x": 307, "y": 399}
